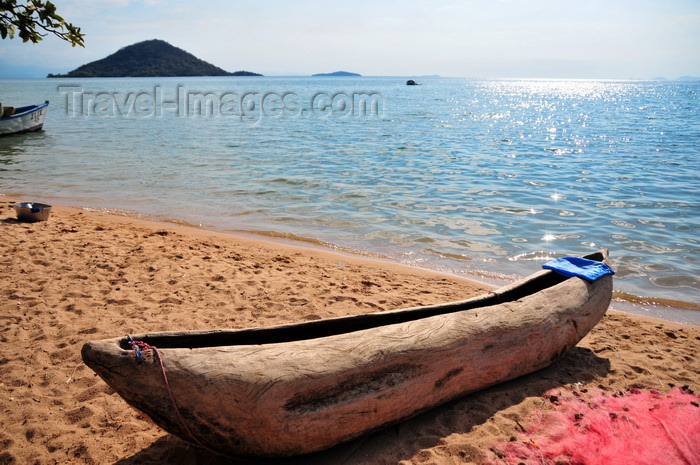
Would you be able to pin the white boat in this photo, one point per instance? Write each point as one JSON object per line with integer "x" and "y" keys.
{"x": 24, "y": 119}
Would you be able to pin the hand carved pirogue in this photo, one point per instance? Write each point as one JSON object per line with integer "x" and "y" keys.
{"x": 300, "y": 388}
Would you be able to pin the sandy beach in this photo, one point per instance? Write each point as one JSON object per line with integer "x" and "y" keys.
{"x": 87, "y": 275}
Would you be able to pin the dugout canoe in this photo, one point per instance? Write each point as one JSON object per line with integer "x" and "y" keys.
{"x": 300, "y": 388}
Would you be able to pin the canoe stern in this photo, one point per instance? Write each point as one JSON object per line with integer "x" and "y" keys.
{"x": 139, "y": 381}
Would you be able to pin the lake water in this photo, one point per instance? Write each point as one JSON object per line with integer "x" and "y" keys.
{"x": 478, "y": 177}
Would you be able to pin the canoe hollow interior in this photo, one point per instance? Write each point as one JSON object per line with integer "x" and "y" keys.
{"x": 342, "y": 325}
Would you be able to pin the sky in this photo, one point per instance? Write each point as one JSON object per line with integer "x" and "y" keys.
{"x": 586, "y": 39}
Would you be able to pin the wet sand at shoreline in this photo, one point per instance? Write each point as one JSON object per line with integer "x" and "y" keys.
{"x": 88, "y": 275}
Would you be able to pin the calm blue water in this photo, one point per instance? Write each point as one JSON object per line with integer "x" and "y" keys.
{"x": 475, "y": 177}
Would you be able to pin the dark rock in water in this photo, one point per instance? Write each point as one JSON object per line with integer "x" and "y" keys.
{"x": 411, "y": 82}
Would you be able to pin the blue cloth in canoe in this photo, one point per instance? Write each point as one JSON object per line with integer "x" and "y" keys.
{"x": 577, "y": 266}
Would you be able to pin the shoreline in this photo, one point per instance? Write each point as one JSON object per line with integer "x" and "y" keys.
{"x": 677, "y": 311}
{"x": 86, "y": 275}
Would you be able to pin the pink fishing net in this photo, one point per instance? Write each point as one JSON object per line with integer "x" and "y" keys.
{"x": 602, "y": 428}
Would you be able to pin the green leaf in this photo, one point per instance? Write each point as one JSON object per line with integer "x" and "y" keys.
{"x": 35, "y": 19}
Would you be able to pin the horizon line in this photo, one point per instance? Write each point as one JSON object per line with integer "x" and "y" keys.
{"x": 682, "y": 78}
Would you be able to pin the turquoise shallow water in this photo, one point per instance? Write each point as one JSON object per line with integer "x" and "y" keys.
{"x": 475, "y": 177}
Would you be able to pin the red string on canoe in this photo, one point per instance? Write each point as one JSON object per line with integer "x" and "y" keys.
{"x": 138, "y": 346}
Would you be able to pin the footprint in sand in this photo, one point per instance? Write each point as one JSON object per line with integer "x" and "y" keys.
{"x": 79, "y": 414}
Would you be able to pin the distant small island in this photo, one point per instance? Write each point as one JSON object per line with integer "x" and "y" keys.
{"x": 151, "y": 58}
{"x": 337, "y": 74}
{"x": 680, "y": 78}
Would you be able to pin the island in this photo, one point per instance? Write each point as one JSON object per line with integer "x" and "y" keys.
{"x": 337, "y": 74}
{"x": 150, "y": 58}
{"x": 679, "y": 78}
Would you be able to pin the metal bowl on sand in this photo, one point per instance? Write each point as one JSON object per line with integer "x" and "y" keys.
{"x": 32, "y": 211}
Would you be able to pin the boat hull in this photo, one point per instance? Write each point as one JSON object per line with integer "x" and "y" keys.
{"x": 25, "y": 119}
{"x": 294, "y": 397}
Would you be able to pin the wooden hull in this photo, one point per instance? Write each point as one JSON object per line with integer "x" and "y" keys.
{"x": 25, "y": 119}
{"x": 301, "y": 388}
